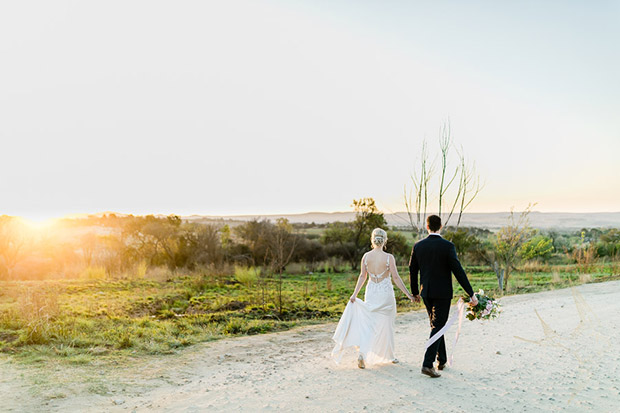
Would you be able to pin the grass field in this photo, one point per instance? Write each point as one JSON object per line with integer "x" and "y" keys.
{"x": 76, "y": 321}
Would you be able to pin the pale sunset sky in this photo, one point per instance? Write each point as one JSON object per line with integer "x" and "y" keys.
{"x": 267, "y": 106}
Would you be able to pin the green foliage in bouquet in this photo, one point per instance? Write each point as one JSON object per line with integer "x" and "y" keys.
{"x": 487, "y": 307}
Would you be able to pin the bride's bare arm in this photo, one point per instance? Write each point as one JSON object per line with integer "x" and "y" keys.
{"x": 397, "y": 280}
{"x": 360, "y": 281}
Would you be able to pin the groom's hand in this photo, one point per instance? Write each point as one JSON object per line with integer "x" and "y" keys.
{"x": 416, "y": 298}
{"x": 474, "y": 301}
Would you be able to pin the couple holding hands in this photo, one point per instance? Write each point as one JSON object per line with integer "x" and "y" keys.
{"x": 369, "y": 324}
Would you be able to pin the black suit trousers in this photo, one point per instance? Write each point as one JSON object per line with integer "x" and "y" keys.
{"x": 438, "y": 310}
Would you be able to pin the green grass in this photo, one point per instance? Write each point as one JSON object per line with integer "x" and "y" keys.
{"x": 82, "y": 320}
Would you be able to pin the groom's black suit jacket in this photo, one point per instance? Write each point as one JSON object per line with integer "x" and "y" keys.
{"x": 435, "y": 259}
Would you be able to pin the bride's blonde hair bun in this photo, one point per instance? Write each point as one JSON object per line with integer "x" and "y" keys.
{"x": 378, "y": 238}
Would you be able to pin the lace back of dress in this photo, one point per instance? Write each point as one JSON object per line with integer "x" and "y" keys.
{"x": 377, "y": 278}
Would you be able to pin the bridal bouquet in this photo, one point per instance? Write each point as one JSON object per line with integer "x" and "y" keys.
{"x": 486, "y": 309}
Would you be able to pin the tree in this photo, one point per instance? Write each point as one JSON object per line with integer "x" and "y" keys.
{"x": 539, "y": 246}
{"x": 467, "y": 241}
{"x": 309, "y": 250}
{"x": 609, "y": 243}
{"x": 113, "y": 254}
{"x": 204, "y": 245}
{"x": 353, "y": 238}
{"x": 367, "y": 218}
{"x": 158, "y": 240}
{"x": 454, "y": 186}
{"x": 88, "y": 247}
{"x": 165, "y": 237}
{"x": 281, "y": 244}
{"x": 255, "y": 234}
{"x": 397, "y": 245}
{"x": 505, "y": 251}
{"x": 281, "y": 247}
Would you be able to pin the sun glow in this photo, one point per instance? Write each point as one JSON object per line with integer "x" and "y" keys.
{"x": 37, "y": 224}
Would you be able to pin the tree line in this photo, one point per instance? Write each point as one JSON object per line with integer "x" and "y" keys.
{"x": 119, "y": 244}
{"x": 116, "y": 244}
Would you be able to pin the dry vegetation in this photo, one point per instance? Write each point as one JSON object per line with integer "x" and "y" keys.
{"x": 112, "y": 286}
{"x": 81, "y": 319}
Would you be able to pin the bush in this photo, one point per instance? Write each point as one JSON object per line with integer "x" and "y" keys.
{"x": 234, "y": 326}
{"x": 246, "y": 275}
{"x": 94, "y": 273}
{"x": 141, "y": 269}
{"x": 296, "y": 268}
{"x": 158, "y": 274}
{"x": 124, "y": 341}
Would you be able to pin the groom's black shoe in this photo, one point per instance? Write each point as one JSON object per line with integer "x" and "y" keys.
{"x": 441, "y": 366}
{"x": 429, "y": 371}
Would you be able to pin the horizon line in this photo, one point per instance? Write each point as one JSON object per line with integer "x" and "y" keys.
{"x": 211, "y": 215}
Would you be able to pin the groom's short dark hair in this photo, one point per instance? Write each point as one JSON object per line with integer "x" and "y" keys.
{"x": 433, "y": 222}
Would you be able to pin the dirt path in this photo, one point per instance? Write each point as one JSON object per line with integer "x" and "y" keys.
{"x": 568, "y": 359}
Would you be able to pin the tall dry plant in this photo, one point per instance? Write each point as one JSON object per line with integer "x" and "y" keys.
{"x": 37, "y": 311}
{"x": 584, "y": 257}
{"x": 450, "y": 185}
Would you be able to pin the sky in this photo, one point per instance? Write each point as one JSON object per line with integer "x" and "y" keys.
{"x": 291, "y": 106}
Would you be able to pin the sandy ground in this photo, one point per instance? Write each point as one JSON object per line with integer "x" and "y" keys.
{"x": 565, "y": 358}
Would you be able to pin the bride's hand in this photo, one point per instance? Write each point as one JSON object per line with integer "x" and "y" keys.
{"x": 352, "y": 299}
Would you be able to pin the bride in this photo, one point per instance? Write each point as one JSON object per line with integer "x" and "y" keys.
{"x": 369, "y": 325}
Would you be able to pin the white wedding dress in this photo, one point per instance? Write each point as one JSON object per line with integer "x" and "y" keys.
{"x": 368, "y": 325}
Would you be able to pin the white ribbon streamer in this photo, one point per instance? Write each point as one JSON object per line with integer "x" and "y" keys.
{"x": 460, "y": 306}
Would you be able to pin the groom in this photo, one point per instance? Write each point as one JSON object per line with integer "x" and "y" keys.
{"x": 435, "y": 259}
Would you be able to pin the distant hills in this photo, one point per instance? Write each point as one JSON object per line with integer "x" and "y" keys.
{"x": 490, "y": 220}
